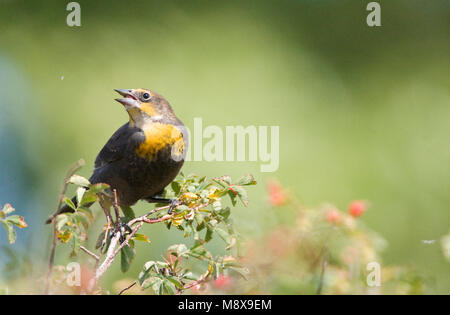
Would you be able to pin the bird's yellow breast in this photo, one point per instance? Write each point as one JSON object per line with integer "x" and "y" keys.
{"x": 157, "y": 137}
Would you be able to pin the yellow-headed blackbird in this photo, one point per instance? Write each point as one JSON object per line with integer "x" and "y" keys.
{"x": 143, "y": 156}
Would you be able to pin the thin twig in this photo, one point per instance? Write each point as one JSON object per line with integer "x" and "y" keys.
{"x": 127, "y": 288}
{"x": 108, "y": 226}
{"x": 111, "y": 254}
{"x": 87, "y": 251}
{"x": 51, "y": 262}
{"x": 195, "y": 283}
{"x": 322, "y": 274}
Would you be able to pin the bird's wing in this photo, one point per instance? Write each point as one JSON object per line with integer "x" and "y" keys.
{"x": 116, "y": 146}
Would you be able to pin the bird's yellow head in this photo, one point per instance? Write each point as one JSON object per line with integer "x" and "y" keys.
{"x": 144, "y": 106}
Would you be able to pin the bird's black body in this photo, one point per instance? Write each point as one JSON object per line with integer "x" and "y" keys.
{"x": 134, "y": 177}
{"x": 144, "y": 155}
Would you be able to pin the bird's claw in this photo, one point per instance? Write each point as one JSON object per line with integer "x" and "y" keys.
{"x": 121, "y": 228}
{"x": 175, "y": 202}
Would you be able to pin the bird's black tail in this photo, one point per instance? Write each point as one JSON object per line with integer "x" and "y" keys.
{"x": 63, "y": 209}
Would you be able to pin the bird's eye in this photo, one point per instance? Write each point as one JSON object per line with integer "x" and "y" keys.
{"x": 146, "y": 96}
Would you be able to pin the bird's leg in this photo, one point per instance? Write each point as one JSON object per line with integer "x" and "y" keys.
{"x": 158, "y": 199}
{"x": 120, "y": 226}
{"x": 116, "y": 210}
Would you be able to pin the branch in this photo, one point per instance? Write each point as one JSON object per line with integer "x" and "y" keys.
{"x": 127, "y": 288}
{"x": 112, "y": 252}
{"x": 84, "y": 249}
{"x": 51, "y": 262}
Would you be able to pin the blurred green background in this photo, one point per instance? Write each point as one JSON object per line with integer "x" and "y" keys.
{"x": 364, "y": 113}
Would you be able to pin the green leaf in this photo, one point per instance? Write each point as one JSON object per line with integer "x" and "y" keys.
{"x": 175, "y": 281}
{"x": 223, "y": 181}
{"x": 75, "y": 240}
{"x": 233, "y": 196}
{"x": 198, "y": 251}
{"x": 69, "y": 202}
{"x": 225, "y": 213}
{"x": 148, "y": 267}
{"x": 247, "y": 180}
{"x": 141, "y": 237}
{"x": 157, "y": 286}
{"x": 203, "y": 186}
{"x": 87, "y": 212}
{"x": 88, "y": 198}
{"x": 96, "y": 188}
{"x": 8, "y": 209}
{"x": 176, "y": 187}
{"x": 126, "y": 257}
{"x": 17, "y": 220}
{"x": 243, "y": 272}
{"x": 242, "y": 194}
{"x": 61, "y": 220}
{"x": 153, "y": 282}
{"x": 80, "y": 194}
{"x": 81, "y": 219}
{"x": 209, "y": 234}
{"x": 178, "y": 250}
{"x": 223, "y": 235}
{"x": 79, "y": 181}
{"x": 168, "y": 287}
{"x": 188, "y": 230}
{"x": 100, "y": 239}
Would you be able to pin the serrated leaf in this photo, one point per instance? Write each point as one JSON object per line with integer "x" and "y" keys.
{"x": 178, "y": 250}
{"x": 247, "y": 180}
{"x": 233, "y": 196}
{"x": 8, "y": 209}
{"x": 223, "y": 181}
{"x": 241, "y": 193}
{"x": 79, "y": 180}
{"x": 17, "y": 220}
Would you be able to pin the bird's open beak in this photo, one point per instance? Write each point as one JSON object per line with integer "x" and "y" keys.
{"x": 130, "y": 100}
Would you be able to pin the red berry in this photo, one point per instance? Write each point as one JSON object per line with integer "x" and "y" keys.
{"x": 222, "y": 282}
{"x": 276, "y": 193}
{"x": 357, "y": 208}
{"x": 333, "y": 216}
